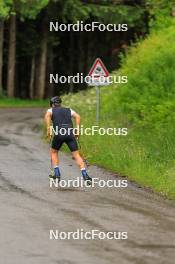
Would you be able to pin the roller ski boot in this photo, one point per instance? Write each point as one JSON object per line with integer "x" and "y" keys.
{"x": 55, "y": 174}
{"x": 86, "y": 177}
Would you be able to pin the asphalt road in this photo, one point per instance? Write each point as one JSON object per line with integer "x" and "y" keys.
{"x": 29, "y": 208}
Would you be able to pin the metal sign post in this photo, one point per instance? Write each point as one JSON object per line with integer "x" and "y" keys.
{"x": 98, "y": 70}
{"x": 98, "y": 104}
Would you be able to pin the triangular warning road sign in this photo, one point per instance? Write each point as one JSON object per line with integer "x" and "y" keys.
{"x": 98, "y": 69}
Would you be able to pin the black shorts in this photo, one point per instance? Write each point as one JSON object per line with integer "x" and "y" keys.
{"x": 70, "y": 140}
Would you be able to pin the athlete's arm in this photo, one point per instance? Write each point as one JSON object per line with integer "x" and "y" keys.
{"x": 48, "y": 121}
{"x": 77, "y": 119}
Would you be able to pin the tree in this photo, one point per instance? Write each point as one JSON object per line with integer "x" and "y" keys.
{"x": 11, "y": 56}
{"x": 23, "y": 9}
{"x": 4, "y": 12}
{"x": 1, "y": 52}
{"x": 41, "y": 79}
{"x": 31, "y": 10}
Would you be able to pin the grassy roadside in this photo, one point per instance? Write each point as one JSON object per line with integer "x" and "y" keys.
{"x": 145, "y": 156}
{"x": 14, "y": 102}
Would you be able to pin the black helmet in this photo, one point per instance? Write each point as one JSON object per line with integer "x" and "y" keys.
{"x": 56, "y": 100}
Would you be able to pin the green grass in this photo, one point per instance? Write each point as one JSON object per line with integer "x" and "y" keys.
{"x": 144, "y": 156}
{"x": 14, "y": 102}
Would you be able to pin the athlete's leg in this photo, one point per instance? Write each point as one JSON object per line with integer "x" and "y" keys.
{"x": 54, "y": 157}
{"x": 55, "y": 162}
{"x": 76, "y": 156}
{"x": 78, "y": 159}
{"x": 73, "y": 146}
{"x": 55, "y": 146}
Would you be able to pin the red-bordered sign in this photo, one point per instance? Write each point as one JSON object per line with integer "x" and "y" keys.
{"x": 98, "y": 74}
{"x": 98, "y": 69}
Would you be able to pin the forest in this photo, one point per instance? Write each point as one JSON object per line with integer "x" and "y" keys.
{"x": 29, "y": 51}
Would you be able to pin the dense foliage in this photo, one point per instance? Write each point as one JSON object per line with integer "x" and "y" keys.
{"x": 149, "y": 97}
{"x": 31, "y": 52}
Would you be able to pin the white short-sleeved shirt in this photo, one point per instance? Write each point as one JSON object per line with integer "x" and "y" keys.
{"x": 72, "y": 111}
